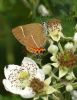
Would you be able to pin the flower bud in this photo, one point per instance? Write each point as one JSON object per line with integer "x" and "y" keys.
{"x": 69, "y": 46}
{"x": 43, "y": 10}
{"x": 69, "y": 87}
{"x": 47, "y": 69}
{"x": 53, "y": 49}
{"x": 74, "y": 95}
{"x": 70, "y": 76}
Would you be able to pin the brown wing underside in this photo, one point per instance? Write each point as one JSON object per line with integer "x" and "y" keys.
{"x": 31, "y": 35}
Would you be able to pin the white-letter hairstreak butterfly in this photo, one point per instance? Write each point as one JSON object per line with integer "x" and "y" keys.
{"x": 32, "y": 36}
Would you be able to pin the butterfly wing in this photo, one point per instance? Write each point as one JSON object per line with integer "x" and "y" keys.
{"x": 17, "y": 32}
{"x": 30, "y": 35}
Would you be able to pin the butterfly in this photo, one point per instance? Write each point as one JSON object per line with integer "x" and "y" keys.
{"x": 31, "y": 36}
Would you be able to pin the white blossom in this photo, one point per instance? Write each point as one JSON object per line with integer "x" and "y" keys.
{"x": 21, "y": 80}
{"x": 55, "y": 29}
{"x": 17, "y": 78}
{"x": 55, "y": 35}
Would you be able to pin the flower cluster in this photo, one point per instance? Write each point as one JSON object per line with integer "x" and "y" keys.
{"x": 52, "y": 80}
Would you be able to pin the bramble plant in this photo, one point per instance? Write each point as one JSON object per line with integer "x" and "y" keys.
{"x": 54, "y": 79}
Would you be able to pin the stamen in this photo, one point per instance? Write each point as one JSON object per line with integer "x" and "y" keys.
{"x": 23, "y": 75}
{"x": 67, "y": 59}
{"x": 37, "y": 85}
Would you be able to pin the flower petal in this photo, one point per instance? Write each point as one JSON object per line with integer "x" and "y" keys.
{"x": 53, "y": 58}
{"x": 27, "y": 93}
{"x": 9, "y": 87}
{"x": 10, "y": 68}
{"x": 26, "y": 61}
{"x": 40, "y": 75}
{"x": 56, "y": 65}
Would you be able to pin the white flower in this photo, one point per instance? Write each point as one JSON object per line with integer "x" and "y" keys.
{"x": 55, "y": 35}
{"x": 63, "y": 61}
{"x": 26, "y": 80}
{"x": 43, "y": 10}
{"x": 55, "y": 29}
{"x": 18, "y": 78}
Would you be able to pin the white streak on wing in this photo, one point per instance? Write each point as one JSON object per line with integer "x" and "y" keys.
{"x": 22, "y": 31}
{"x": 34, "y": 41}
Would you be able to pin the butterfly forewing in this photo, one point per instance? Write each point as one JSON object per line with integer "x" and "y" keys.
{"x": 17, "y": 32}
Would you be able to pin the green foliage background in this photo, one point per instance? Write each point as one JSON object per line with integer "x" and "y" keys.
{"x": 18, "y": 12}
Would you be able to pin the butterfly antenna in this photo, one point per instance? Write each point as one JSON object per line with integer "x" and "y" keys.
{"x": 34, "y": 41}
{"x": 22, "y": 31}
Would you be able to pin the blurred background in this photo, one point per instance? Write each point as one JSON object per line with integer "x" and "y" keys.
{"x": 19, "y": 12}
